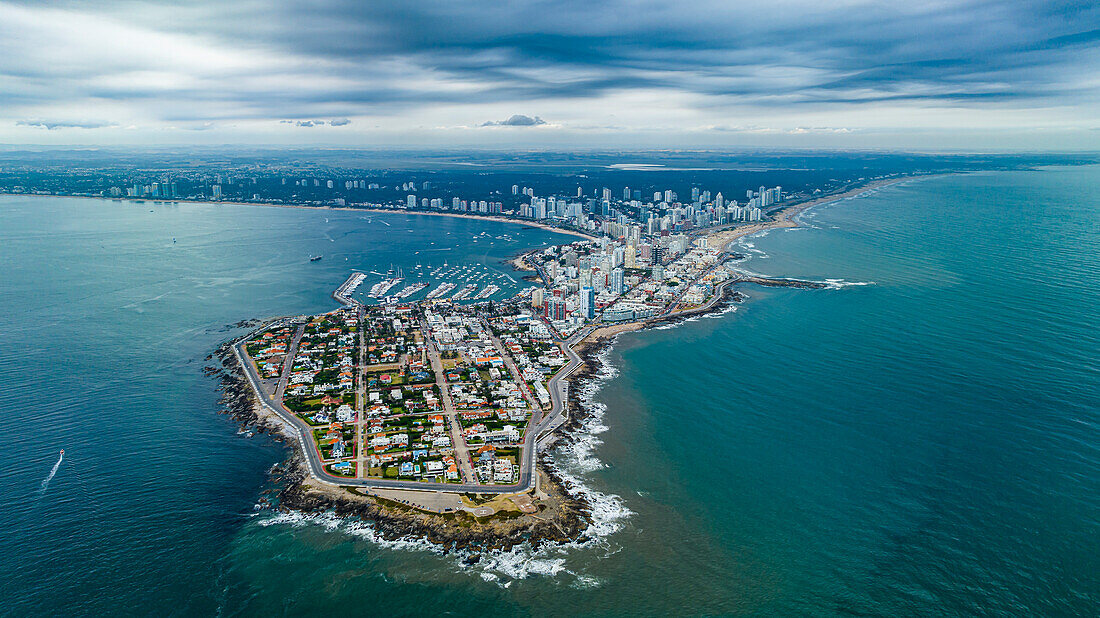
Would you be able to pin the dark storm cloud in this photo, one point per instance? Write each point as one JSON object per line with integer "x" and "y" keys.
{"x": 537, "y": 49}
{"x": 382, "y": 58}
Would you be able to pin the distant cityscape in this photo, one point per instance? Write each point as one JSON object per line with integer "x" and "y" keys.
{"x": 598, "y": 211}
{"x": 450, "y": 387}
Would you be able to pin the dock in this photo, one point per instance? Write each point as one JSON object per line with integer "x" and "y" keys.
{"x": 343, "y": 293}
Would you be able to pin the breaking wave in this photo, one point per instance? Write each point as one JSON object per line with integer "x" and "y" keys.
{"x": 837, "y": 284}
{"x": 571, "y": 460}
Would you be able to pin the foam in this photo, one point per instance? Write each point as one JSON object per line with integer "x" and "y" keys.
{"x": 836, "y": 284}
{"x": 570, "y": 461}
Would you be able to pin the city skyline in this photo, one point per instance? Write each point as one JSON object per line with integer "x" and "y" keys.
{"x": 956, "y": 75}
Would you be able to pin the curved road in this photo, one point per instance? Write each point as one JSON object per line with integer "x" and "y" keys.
{"x": 316, "y": 468}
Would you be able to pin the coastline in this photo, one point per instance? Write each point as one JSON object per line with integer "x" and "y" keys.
{"x": 593, "y": 346}
{"x": 786, "y": 217}
{"x": 570, "y": 515}
{"x": 563, "y": 514}
{"x": 392, "y": 211}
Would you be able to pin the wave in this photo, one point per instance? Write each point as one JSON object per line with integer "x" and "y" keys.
{"x": 571, "y": 460}
{"x": 749, "y": 273}
{"x": 749, "y": 248}
{"x": 836, "y": 284}
{"x": 678, "y": 322}
{"x": 717, "y": 314}
{"x": 575, "y": 456}
{"x": 354, "y": 527}
{"x": 501, "y": 568}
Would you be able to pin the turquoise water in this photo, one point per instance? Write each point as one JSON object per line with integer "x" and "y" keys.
{"x": 923, "y": 444}
{"x": 104, "y": 326}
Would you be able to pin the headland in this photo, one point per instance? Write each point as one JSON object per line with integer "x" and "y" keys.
{"x": 431, "y": 418}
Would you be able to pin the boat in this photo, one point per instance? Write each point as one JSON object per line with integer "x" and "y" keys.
{"x": 62, "y": 451}
{"x": 466, "y": 291}
{"x": 315, "y": 258}
{"x": 409, "y": 290}
{"x": 441, "y": 290}
{"x": 379, "y": 290}
{"x": 487, "y": 292}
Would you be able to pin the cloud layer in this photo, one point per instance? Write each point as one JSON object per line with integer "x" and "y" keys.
{"x": 637, "y": 66}
{"x": 515, "y": 120}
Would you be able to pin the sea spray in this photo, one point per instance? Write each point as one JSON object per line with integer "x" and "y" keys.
{"x": 837, "y": 284}
{"x": 570, "y": 462}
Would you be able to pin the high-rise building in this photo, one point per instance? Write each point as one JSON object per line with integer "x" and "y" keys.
{"x": 616, "y": 281}
{"x": 630, "y": 257}
{"x": 410, "y": 201}
{"x": 588, "y": 302}
{"x": 515, "y": 189}
{"x": 555, "y": 308}
{"x": 538, "y": 298}
{"x": 626, "y": 193}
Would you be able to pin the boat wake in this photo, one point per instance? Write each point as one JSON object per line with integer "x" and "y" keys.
{"x": 53, "y": 472}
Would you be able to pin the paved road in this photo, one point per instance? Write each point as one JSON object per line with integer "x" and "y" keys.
{"x": 458, "y": 441}
{"x": 510, "y": 363}
{"x": 315, "y": 466}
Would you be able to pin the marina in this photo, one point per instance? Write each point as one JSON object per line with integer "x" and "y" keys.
{"x": 343, "y": 293}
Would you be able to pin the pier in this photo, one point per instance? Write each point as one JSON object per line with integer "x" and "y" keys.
{"x": 342, "y": 293}
{"x": 772, "y": 282}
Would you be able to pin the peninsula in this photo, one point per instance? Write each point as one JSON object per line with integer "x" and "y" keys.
{"x": 429, "y": 416}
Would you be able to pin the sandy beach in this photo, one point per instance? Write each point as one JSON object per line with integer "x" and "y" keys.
{"x": 459, "y": 215}
{"x": 785, "y": 217}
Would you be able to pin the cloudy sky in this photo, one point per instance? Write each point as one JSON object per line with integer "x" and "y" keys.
{"x": 931, "y": 74}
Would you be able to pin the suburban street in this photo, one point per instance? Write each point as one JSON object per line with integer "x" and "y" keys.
{"x": 462, "y": 453}
{"x": 315, "y": 466}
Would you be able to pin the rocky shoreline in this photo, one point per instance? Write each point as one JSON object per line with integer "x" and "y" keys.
{"x": 456, "y": 531}
{"x": 590, "y": 350}
{"x": 563, "y": 515}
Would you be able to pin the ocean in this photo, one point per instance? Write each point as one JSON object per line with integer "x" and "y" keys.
{"x": 920, "y": 438}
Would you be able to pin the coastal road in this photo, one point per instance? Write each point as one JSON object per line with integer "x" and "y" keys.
{"x": 312, "y": 459}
